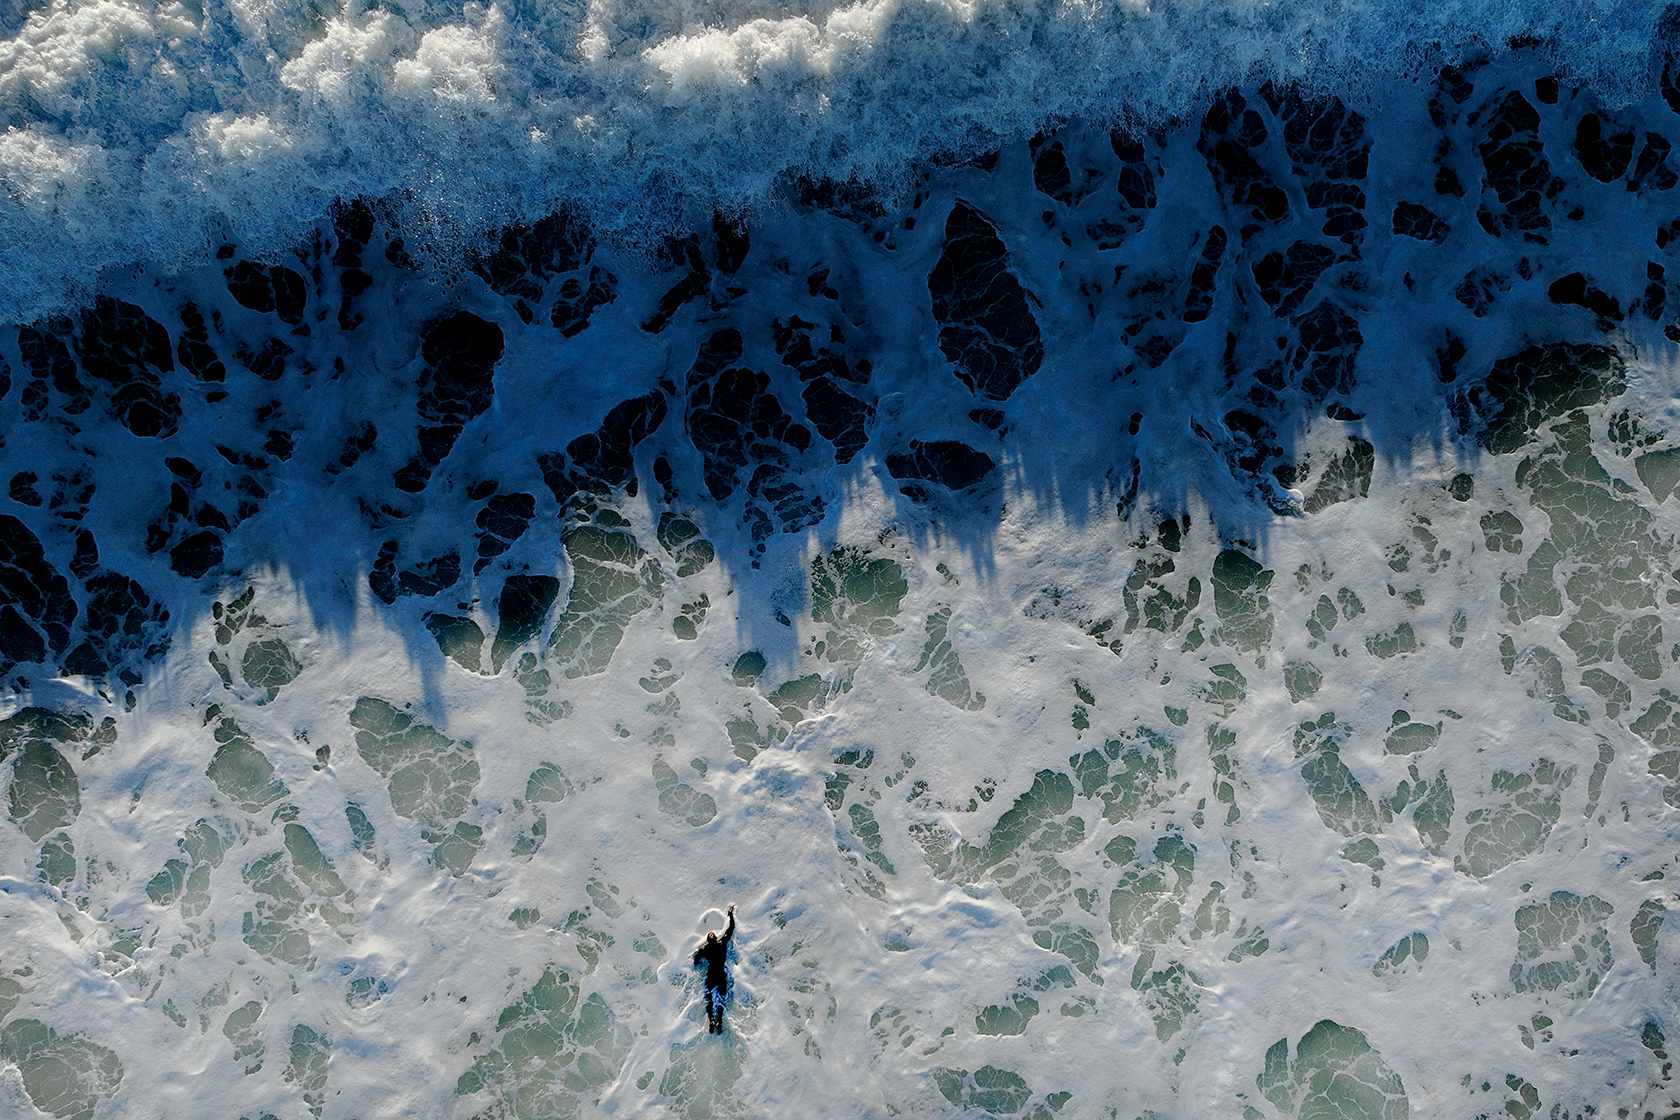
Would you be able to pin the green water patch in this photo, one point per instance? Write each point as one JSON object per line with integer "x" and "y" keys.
{"x": 1660, "y": 726}
{"x": 187, "y": 880}
{"x": 699, "y": 1083}
{"x": 1538, "y": 1030}
{"x": 1147, "y": 905}
{"x": 529, "y": 674}
{"x": 661, "y": 678}
{"x": 1524, "y": 391}
{"x": 547, "y": 785}
{"x": 1364, "y": 851}
{"x": 1546, "y": 669}
{"x": 235, "y": 615}
{"x": 10, "y": 993}
{"x": 1660, "y": 472}
{"x": 453, "y": 850}
{"x": 240, "y": 1028}
{"x": 1302, "y": 678}
{"x": 991, "y": 1089}
{"x": 1250, "y": 943}
{"x": 65, "y": 1075}
{"x": 203, "y": 844}
{"x": 1563, "y": 946}
{"x": 1225, "y": 690}
{"x": 73, "y": 732}
{"x": 268, "y": 663}
{"x": 521, "y": 608}
{"x": 748, "y": 668}
{"x": 948, "y": 680}
{"x": 1023, "y": 853}
{"x": 1335, "y": 1074}
{"x": 682, "y": 803}
{"x": 311, "y": 1052}
{"x": 1239, "y": 596}
{"x": 1529, "y": 803}
{"x": 431, "y": 776}
{"x": 460, "y": 639}
{"x": 1150, "y": 600}
{"x": 1615, "y": 557}
{"x": 1322, "y": 621}
{"x": 1524, "y": 1100}
{"x": 166, "y": 886}
{"x": 868, "y": 832}
{"x": 1212, "y": 915}
{"x": 1502, "y": 531}
{"x": 1404, "y": 956}
{"x": 864, "y": 849}
{"x": 1408, "y": 737}
{"x": 745, "y": 738}
{"x": 798, "y": 698}
{"x": 849, "y": 765}
{"x": 1128, "y": 775}
{"x": 855, "y": 600}
{"x": 554, "y": 1054}
{"x": 1346, "y": 477}
{"x": 1039, "y": 821}
{"x": 1615, "y": 693}
{"x": 681, "y": 538}
{"x": 1342, "y": 803}
{"x": 312, "y": 868}
{"x": 242, "y": 772}
{"x": 362, "y": 832}
{"x": 1220, "y": 742}
{"x": 45, "y": 794}
{"x": 57, "y": 865}
{"x": 1020, "y": 856}
{"x": 1643, "y": 930}
{"x": 1533, "y": 592}
{"x": 1595, "y": 780}
{"x": 290, "y": 886}
{"x": 1009, "y": 1018}
{"x": 364, "y": 991}
{"x": 690, "y": 618}
{"x": 1401, "y": 640}
{"x": 1434, "y": 813}
{"x": 1170, "y": 995}
{"x": 1651, "y": 1038}
{"x": 613, "y": 581}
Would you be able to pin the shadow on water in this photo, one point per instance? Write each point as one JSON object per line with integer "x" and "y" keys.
{"x": 1239, "y": 319}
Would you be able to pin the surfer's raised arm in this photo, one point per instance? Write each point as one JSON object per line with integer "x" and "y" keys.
{"x": 729, "y": 930}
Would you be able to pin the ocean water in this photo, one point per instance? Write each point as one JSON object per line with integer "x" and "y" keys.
{"x": 1135, "y": 544}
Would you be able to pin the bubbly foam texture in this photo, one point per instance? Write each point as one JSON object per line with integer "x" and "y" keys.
{"x": 147, "y": 133}
{"x": 1157, "y": 624}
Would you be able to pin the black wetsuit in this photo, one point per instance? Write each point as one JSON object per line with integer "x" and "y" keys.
{"x": 714, "y": 955}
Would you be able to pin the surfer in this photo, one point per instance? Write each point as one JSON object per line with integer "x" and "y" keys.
{"x": 714, "y": 955}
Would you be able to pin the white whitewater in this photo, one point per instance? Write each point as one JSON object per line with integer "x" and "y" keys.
{"x": 139, "y": 133}
{"x": 1125, "y": 782}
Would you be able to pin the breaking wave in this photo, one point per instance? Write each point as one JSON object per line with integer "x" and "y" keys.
{"x": 144, "y": 131}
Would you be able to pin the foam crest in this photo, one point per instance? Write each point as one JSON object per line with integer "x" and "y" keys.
{"x": 140, "y": 131}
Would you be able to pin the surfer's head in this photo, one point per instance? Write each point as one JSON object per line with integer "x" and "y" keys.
{"x": 711, "y": 935}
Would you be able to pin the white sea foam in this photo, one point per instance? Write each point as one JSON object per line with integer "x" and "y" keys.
{"x": 1071, "y": 814}
{"x": 139, "y": 132}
